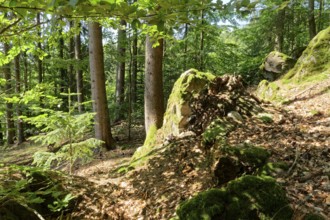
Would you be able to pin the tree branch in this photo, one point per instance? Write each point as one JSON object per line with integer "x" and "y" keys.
{"x": 11, "y": 25}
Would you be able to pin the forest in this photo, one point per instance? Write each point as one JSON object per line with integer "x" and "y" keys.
{"x": 165, "y": 109}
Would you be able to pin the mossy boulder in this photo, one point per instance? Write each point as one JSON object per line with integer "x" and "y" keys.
{"x": 315, "y": 60}
{"x": 312, "y": 67}
{"x": 178, "y": 110}
{"x": 276, "y": 64}
{"x": 177, "y": 115}
{"x": 248, "y": 197}
{"x": 234, "y": 161}
{"x": 269, "y": 91}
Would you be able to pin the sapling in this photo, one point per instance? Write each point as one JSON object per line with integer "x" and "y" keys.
{"x": 66, "y": 132}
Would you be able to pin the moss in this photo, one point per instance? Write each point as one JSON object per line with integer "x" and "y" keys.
{"x": 206, "y": 205}
{"x": 248, "y": 155}
{"x": 140, "y": 156}
{"x": 248, "y": 197}
{"x": 272, "y": 169}
{"x": 178, "y": 110}
{"x": 315, "y": 60}
{"x": 313, "y": 217}
{"x": 265, "y": 118}
{"x": 216, "y": 131}
{"x": 269, "y": 91}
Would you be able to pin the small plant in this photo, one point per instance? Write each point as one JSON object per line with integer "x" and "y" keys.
{"x": 31, "y": 190}
{"x": 66, "y": 133}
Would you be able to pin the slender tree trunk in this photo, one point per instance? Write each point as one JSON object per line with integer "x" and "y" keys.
{"x": 100, "y": 104}
{"x": 79, "y": 72}
{"x": 120, "y": 77}
{"x": 320, "y": 15}
{"x": 153, "y": 92}
{"x": 185, "y": 47}
{"x": 279, "y": 31}
{"x": 20, "y": 126}
{"x": 26, "y": 72}
{"x": 71, "y": 73}
{"x": 311, "y": 19}
{"x": 201, "y": 49}
{"x": 1, "y": 134}
{"x": 40, "y": 68}
{"x": 10, "y": 132}
{"x": 134, "y": 69}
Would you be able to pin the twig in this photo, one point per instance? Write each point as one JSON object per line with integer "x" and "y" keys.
{"x": 294, "y": 162}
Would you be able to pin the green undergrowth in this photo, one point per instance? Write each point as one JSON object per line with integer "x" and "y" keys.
{"x": 30, "y": 192}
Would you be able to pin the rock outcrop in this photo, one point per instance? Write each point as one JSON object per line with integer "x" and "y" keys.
{"x": 276, "y": 64}
{"x": 312, "y": 67}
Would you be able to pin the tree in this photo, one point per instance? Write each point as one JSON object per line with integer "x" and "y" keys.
{"x": 79, "y": 72}
{"x": 311, "y": 19}
{"x": 9, "y": 106}
{"x": 40, "y": 69}
{"x": 153, "y": 91}
{"x": 120, "y": 77}
{"x": 20, "y": 127}
{"x": 100, "y": 104}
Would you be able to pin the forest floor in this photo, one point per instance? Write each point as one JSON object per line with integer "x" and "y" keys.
{"x": 299, "y": 136}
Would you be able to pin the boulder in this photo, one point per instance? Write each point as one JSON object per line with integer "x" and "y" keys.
{"x": 276, "y": 64}
{"x": 178, "y": 111}
{"x": 315, "y": 60}
{"x": 248, "y": 197}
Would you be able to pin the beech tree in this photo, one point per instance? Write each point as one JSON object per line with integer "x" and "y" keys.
{"x": 153, "y": 91}
{"x": 100, "y": 104}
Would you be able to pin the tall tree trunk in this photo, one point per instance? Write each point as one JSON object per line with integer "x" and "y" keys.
{"x": 311, "y": 20}
{"x": 153, "y": 92}
{"x": 79, "y": 72}
{"x": 201, "y": 49}
{"x": 134, "y": 69}
{"x": 20, "y": 126}
{"x": 26, "y": 72}
{"x": 120, "y": 77}
{"x": 279, "y": 30}
{"x": 185, "y": 47}
{"x": 71, "y": 73}
{"x": 10, "y": 132}
{"x": 63, "y": 74}
{"x": 320, "y": 15}
{"x": 1, "y": 134}
{"x": 40, "y": 68}
{"x": 100, "y": 104}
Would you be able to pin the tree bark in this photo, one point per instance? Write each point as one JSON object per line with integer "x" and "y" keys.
{"x": 79, "y": 73}
{"x": 134, "y": 69}
{"x": 40, "y": 68}
{"x": 279, "y": 31}
{"x": 20, "y": 125}
{"x": 311, "y": 20}
{"x": 201, "y": 49}
{"x": 71, "y": 73}
{"x": 153, "y": 93}
{"x": 10, "y": 131}
{"x": 120, "y": 77}
{"x": 100, "y": 104}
